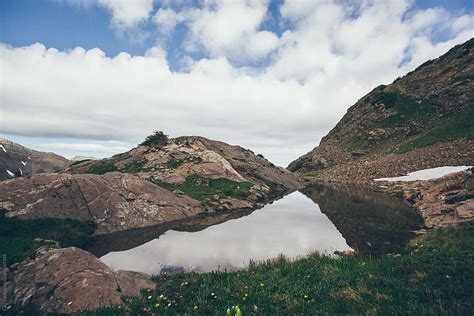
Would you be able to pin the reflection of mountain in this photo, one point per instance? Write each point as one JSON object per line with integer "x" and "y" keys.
{"x": 128, "y": 239}
{"x": 370, "y": 222}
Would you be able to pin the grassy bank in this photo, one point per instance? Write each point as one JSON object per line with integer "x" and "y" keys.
{"x": 19, "y": 238}
{"x": 435, "y": 275}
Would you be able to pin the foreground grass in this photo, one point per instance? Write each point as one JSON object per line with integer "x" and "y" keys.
{"x": 435, "y": 275}
{"x": 19, "y": 238}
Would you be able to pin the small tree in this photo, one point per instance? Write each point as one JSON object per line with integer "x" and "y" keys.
{"x": 158, "y": 138}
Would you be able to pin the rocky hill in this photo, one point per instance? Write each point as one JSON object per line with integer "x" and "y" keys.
{"x": 17, "y": 160}
{"x": 150, "y": 185}
{"x": 423, "y": 120}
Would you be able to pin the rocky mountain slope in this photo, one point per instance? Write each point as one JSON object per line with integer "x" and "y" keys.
{"x": 423, "y": 120}
{"x": 150, "y": 185}
{"x": 17, "y": 160}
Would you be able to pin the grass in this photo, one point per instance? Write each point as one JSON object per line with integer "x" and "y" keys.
{"x": 297, "y": 164}
{"x": 433, "y": 276}
{"x": 173, "y": 164}
{"x": 407, "y": 108}
{"x": 17, "y": 237}
{"x": 224, "y": 188}
{"x": 459, "y": 125}
{"x": 104, "y": 167}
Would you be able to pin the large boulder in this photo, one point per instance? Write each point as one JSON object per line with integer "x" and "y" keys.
{"x": 70, "y": 279}
{"x": 114, "y": 201}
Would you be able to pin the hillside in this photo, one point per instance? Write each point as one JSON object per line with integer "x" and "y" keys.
{"x": 17, "y": 160}
{"x": 423, "y": 120}
{"x": 150, "y": 185}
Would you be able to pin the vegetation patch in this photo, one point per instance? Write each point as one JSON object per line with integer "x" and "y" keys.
{"x": 204, "y": 189}
{"x": 407, "y": 108}
{"x": 136, "y": 166}
{"x": 19, "y": 238}
{"x": 433, "y": 276}
{"x": 158, "y": 138}
{"x": 173, "y": 164}
{"x": 459, "y": 125}
{"x": 356, "y": 142}
{"x": 102, "y": 168}
{"x": 297, "y": 164}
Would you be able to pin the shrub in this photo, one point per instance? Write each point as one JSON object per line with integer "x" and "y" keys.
{"x": 158, "y": 138}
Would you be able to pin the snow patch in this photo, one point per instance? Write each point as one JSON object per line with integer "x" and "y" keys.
{"x": 21, "y": 171}
{"x": 427, "y": 174}
{"x": 11, "y": 174}
{"x": 23, "y": 163}
{"x": 1, "y": 146}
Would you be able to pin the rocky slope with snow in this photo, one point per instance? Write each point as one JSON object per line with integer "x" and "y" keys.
{"x": 423, "y": 120}
{"x": 17, "y": 160}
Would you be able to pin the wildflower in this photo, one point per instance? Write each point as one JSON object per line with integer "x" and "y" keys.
{"x": 246, "y": 294}
{"x": 161, "y": 296}
{"x": 149, "y": 297}
{"x": 447, "y": 276}
{"x": 169, "y": 304}
{"x": 195, "y": 307}
{"x": 228, "y": 312}
{"x": 262, "y": 285}
{"x": 306, "y": 296}
{"x": 157, "y": 305}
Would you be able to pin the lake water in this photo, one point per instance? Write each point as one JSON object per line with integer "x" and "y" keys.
{"x": 316, "y": 219}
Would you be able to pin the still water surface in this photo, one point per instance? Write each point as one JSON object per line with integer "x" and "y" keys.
{"x": 294, "y": 226}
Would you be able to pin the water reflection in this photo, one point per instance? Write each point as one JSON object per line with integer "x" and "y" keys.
{"x": 369, "y": 221}
{"x": 320, "y": 218}
{"x": 292, "y": 226}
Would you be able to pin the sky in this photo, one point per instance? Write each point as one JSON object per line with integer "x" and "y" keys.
{"x": 95, "y": 77}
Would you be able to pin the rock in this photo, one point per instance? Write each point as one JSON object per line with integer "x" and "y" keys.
{"x": 104, "y": 199}
{"x": 465, "y": 210}
{"x": 69, "y": 280}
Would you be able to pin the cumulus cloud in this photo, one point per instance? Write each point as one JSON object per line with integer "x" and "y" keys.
{"x": 329, "y": 56}
{"x": 223, "y": 28}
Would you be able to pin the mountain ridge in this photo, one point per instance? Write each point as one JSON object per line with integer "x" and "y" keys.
{"x": 428, "y": 113}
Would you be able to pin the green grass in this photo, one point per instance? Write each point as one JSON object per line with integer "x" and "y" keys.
{"x": 173, "y": 164}
{"x": 434, "y": 276}
{"x": 102, "y": 168}
{"x": 225, "y": 188}
{"x": 297, "y": 164}
{"x": 17, "y": 237}
{"x": 460, "y": 125}
{"x": 407, "y": 108}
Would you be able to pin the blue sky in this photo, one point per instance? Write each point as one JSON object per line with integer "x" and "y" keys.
{"x": 273, "y": 76}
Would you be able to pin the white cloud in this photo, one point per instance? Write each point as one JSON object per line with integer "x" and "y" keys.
{"x": 110, "y": 149}
{"x": 331, "y": 56}
{"x": 223, "y": 28}
{"x": 128, "y": 13}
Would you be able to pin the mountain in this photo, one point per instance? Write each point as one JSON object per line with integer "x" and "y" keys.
{"x": 150, "y": 185}
{"x": 17, "y": 160}
{"x": 81, "y": 158}
{"x": 423, "y": 120}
